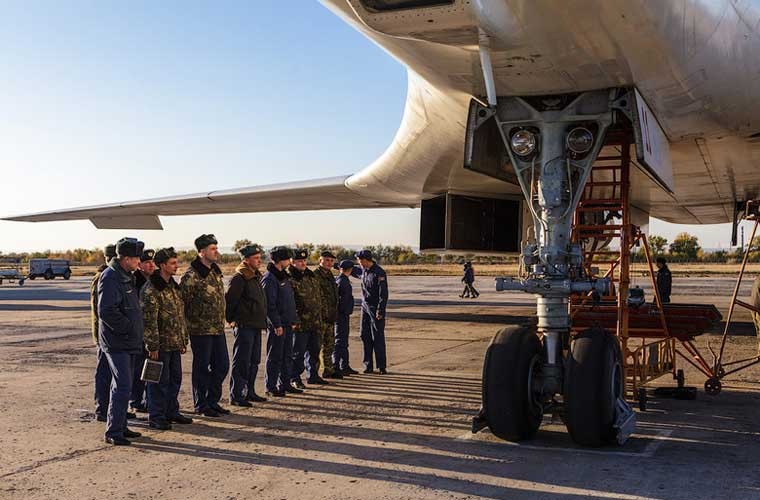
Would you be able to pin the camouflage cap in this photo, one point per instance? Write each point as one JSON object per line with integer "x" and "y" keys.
{"x": 163, "y": 255}
{"x": 205, "y": 240}
{"x": 147, "y": 255}
{"x": 249, "y": 250}
{"x": 109, "y": 251}
{"x": 301, "y": 254}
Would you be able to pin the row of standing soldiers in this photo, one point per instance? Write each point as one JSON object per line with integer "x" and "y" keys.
{"x": 140, "y": 311}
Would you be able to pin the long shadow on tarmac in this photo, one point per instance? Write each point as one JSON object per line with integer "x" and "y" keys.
{"x": 41, "y": 307}
{"x": 496, "y": 319}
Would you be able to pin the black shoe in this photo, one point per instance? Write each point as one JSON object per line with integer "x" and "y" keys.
{"x": 369, "y": 370}
{"x": 383, "y": 371}
{"x": 210, "y": 412}
{"x": 349, "y": 371}
{"x": 131, "y": 434}
{"x": 276, "y": 394}
{"x": 298, "y": 384}
{"x": 255, "y": 398}
{"x": 336, "y": 375}
{"x": 293, "y": 390}
{"x": 181, "y": 419}
{"x": 102, "y": 418}
{"x": 161, "y": 426}
{"x": 317, "y": 381}
{"x": 139, "y": 409}
{"x": 220, "y": 410}
{"x": 461, "y": 296}
{"x": 118, "y": 441}
{"x": 131, "y": 415}
{"x": 240, "y": 402}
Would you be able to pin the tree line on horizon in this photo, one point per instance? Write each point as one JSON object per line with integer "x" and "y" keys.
{"x": 684, "y": 248}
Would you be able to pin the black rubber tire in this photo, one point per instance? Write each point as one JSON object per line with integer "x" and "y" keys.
{"x": 594, "y": 379}
{"x": 32, "y": 277}
{"x": 506, "y": 396}
{"x": 49, "y": 274}
{"x": 67, "y": 274}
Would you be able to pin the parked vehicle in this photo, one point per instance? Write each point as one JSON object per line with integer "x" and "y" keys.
{"x": 10, "y": 270}
{"x": 49, "y": 268}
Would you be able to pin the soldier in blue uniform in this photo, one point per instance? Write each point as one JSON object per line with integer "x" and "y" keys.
{"x": 281, "y": 318}
{"x": 138, "y": 401}
{"x": 374, "y": 302}
{"x": 120, "y": 333}
{"x": 342, "y": 321}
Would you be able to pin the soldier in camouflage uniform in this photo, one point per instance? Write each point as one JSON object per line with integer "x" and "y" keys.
{"x": 329, "y": 307}
{"x": 203, "y": 294}
{"x": 308, "y": 305}
{"x": 102, "y": 371}
{"x": 165, "y": 339}
{"x": 147, "y": 267}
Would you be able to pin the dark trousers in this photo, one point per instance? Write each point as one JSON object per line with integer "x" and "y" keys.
{"x": 313, "y": 346}
{"x": 373, "y": 336}
{"x": 211, "y": 362}
{"x": 122, "y": 367}
{"x": 300, "y": 346}
{"x": 137, "y": 398}
{"x": 163, "y": 397}
{"x": 469, "y": 290}
{"x": 340, "y": 354}
{"x": 246, "y": 356}
{"x": 279, "y": 358}
{"x": 102, "y": 384}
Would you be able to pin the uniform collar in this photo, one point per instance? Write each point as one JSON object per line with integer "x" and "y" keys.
{"x": 158, "y": 282}
{"x": 204, "y": 271}
{"x": 124, "y": 276}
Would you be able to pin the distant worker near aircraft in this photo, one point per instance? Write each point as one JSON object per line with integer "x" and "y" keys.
{"x": 137, "y": 401}
{"x": 342, "y": 322}
{"x": 468, "y": 279}
{"x": 374, "y": 303}
{"x": 664, "y": 280}
{"x": 120, "y": 333}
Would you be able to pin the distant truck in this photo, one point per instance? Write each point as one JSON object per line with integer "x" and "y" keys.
{"x": 49, "y": 268}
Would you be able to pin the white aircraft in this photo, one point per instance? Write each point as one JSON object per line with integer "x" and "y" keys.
{"x": 509, "y": 103}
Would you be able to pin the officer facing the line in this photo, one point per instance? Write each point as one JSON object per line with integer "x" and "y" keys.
{"x": 165, "y": 340}
{"x": 281, "y": 318}
{"x": 247, "y": 313}
{"x": 342, "y": 322}
{"x": 120, "y": 333}
{"x": 203, "y": 295}
{"x": 374, "y": 302}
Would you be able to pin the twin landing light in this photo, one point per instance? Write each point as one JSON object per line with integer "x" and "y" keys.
{"x": 524, "y": 142}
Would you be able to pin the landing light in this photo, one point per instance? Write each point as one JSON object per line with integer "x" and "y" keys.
{"x": 580, "y": 140}
{"x": 523, "y": 142}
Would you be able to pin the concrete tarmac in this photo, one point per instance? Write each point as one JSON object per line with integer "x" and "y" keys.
{"x": 404, "y": 435}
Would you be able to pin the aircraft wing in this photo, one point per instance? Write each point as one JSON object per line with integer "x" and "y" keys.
{"x": 318, "y": 194}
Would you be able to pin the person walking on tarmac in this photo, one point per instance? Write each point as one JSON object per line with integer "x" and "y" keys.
{"x": 342, "y": 321}
{"x": 306, "y": 335}
{"x": 664, "y": 280}
{"x": 165, "y": 340}
{"x": 120, "y": 334}
{"x": 247, "y": 313}
{"x": 203, "y": 294}
{"x": 374, "y": 302}
{"x": 468, "y": 279}
{"x": 281, "y": 318}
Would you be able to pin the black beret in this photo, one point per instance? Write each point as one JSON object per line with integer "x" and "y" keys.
{"x": 205, "y": 240}
{"x": 280, "y": 253}
{"x": 364, "y": 254}
{"x": 249, "y": 250}
{"x": 129, "y": 247}
{"x": 301, "y": 254}
{"x": 328, "y": 254}
{"x": 163, "y": 255}
{"x": 147, "y": 255}
{"x": 109, "y": 251}
{"x": 346, "y": 264}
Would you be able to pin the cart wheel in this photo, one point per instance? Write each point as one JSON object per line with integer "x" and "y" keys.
{"x": 49, "y": 274}
{"x": 21, "y": 282}
{"x": 713, "y": 386}
{"x": 642, "y": 393}
{"x": 32, "y": 277}
{"x": 67, "y": 274}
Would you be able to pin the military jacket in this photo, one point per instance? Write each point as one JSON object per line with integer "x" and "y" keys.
{"x": 120, "y": 321}
{"x": 140, "y": 280}
{"x": 374, "y": 288}
{"x": 94, "y": 302}
{"x": 246, "y": 300}
{"x": 345, "y": 295}
{"x": 329, "y": 289}
{"x": 163, "y": 314}
{"x": 308, "y": 295}
{"x": 203, "y": 294}
{"x": 281, "y": 303}
{"x": 664, "y": 283}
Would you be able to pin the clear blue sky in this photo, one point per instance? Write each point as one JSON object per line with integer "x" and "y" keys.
{"x": 106, "y": 101}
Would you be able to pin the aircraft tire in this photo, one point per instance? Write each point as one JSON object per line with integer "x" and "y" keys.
{"x": 594, "y": 379}
{"x": 508, "y": 403}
